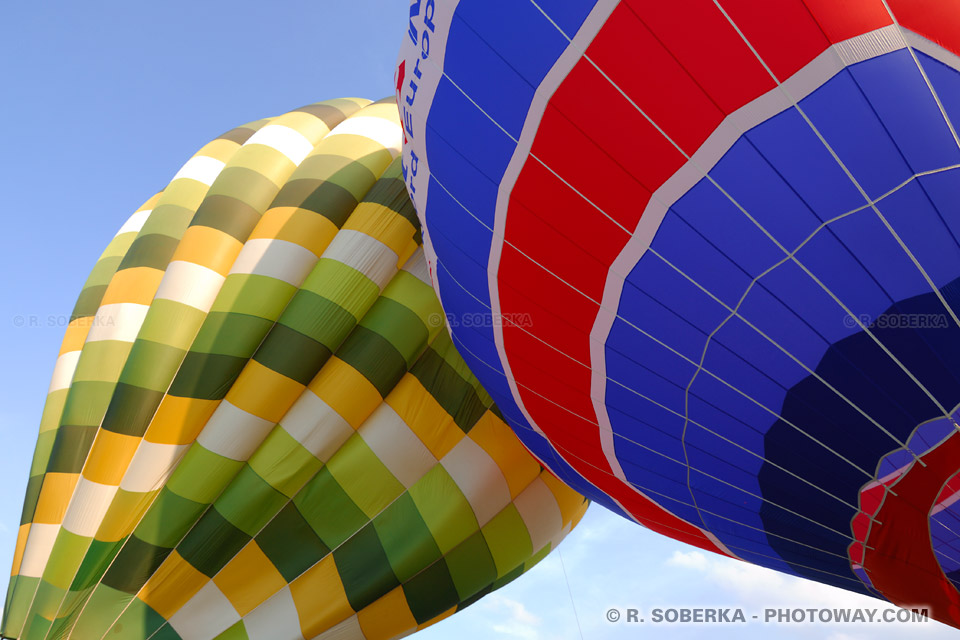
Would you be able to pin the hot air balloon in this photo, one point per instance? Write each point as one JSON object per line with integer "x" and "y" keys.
{"x": 704, "y": 256}
{"x": 258, "y": 425}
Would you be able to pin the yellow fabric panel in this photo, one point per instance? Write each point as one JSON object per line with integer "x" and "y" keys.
{"x": 571, "y": 503}
{"x": 208, "y": 247}
{"x": 346, "y": 391}
{"x": 123, "y": 514}
{"x": 263, "y": 392}
{"x": 109, "y": 457}
{"x": 75, "y": 335}
{"x": 172, "y": 585}
{"x": 179, "y": 420}
{"x": 151, "y": 203}
{"x": 424, "y": 415}
{"x": 386, "y": 225}
{"x": 443, "y": 616}
{"x": 249, "y": 579}
{"x": 54, "y": 497}
{"x": 518, "y": 467}
{"x": 265, "y": 160}
{"x": 308, "y": 125}
{"x": 219, "y": 149}
{"x": 388, "y": 617}
{"x": 22, "y": 534}
{"x": 137, "y": 285}
{"x": 386, "y": 110}
{"x": 302, "y": 227}
{"x": 317, "y": 614}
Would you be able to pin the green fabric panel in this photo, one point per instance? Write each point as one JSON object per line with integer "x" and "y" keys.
{"x": 15, "y": 614}
{"x": 374, "y": 357}
{"x": 328, "y": 509}
{"x": 408, "y": 290}
{"x": 360, "y": 473}
{"x": 228, "y": 214}
{"x": 391, "y": 192}
{"x": 231, "y": 334}
{"x": 284, "y": 463}
{"x": 53, "y": 410}
{"x": 101, "y": 361}
{"x": 94, "y": 563}
{"x": 319, "y": 318}
{"x": 249, "y": 501}
{"x": 472, "y": 599}
{"x": 135, "y": 563}
{"x": 342, "y": 285}
{"x": 431, "y": 592}
{"x": 171, "y": 323}
{"x": 152, "y": 365}
{"x": 65, "y": 558}
{"x": 131, "y": 410}
{"x": 34, "y": 484}
{"x": 290, "y": 544}
{"x": 105, "y": 269}
{"x": 37, "y": 627}
{"x": 246, "y": 185}
{"x": 261, "y": 159}
{"x": 71, "y": 448}
{"x": 168, "y": 518}
{"x": 537, "y": 557}
{"x": 138, "y": 622}
{"x": 399, "y": 326}
{"x": 455, "y": 395}
{"x": 174, "y": 211}
{"x": 254, "y": 295}
{"x": 324, "y": 198}
{"x": 238, "y": 135}
{"x": 212, "y": 543}
{"x": 7, "y": 604}
{"x": 471, "y": 565}
{"x": 508, "y": 539}
{"x": 67, "y": 611}
{"x": 512, "y": 575}
{"x": 102, "y": 609}
{"x": 151, "y": 250}
{"x": 45, "y": 440}
{"x": 87, "y": 403}
{"x": 364, "y": 569}
{"x": 292, "y": 354}
{"x": 208, "y": 376}
{"x": 405, "y": 538}
{"x": 236, "y": 632}
{"x": 88, "y": 302}
{"x": 357, "y": 178}
{"x": 444, "y": 508}
{"x": 202, "y": 474}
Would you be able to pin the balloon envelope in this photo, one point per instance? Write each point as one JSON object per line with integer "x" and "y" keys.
{"x": 704, "y": 255}
{"x": 258, "y": 426}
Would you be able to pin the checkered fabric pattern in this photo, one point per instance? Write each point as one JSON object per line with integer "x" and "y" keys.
{"x": 258, "y": 426}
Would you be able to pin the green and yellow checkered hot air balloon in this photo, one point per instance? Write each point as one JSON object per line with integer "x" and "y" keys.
{"x": 258, "y": 426}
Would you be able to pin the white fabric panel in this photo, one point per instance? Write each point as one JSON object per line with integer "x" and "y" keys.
{"x": 540, "y": 512}
{"x": 416, "y": 266}
{"x": 387, "y": 133}
{"x": 120, "y": 321}
{"x": 275, "y": 619}
{"x": 87, "y": 507}
{"x": 63, "y": 371}
{"x": 278, "y": 259}
{"x": 349, "y": 629}
{"x": 152, "y": 464}
{"x": 315, "y": 425}
{"x": 200, "y": 168}
{"x": 364, "y": 253}
{"x": 39, "y": 545}
{"x": 135, "y": 222}
{"x": 399, "y": 448}
{"x": 206, "y": 615}
{"x": 287, "y": 141}
{"x": 479, "y": 478}
{"x": 233, "y": 433}
{"x": 190, "y": 284}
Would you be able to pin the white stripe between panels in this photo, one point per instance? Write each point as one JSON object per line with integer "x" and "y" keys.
{"x": 135, "y": 222}
{"x": 287, "y": 141}
{"x": 280, "y": 259}
{"x": 151, "y": 465}
{"x": 396, "y": 446}
{"x": 190, "y": 284}
{"x": 63, "y": 371}
{"x": 364, "y": 253}
{"x": 479, "y": 478}
{"x": 275, "y": 619}
{"x": 540, "y": 512}
{"x": 316, "y": 426}
{"x": 416, "y": 265}
{"x": 204, "y": 616}
{"x": 120, "y": 321}
{"x": 200, "y": 168}
{"x": 384, "y": 132}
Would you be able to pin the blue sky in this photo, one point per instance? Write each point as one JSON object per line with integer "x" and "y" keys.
{"x": 104, "y": 101}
